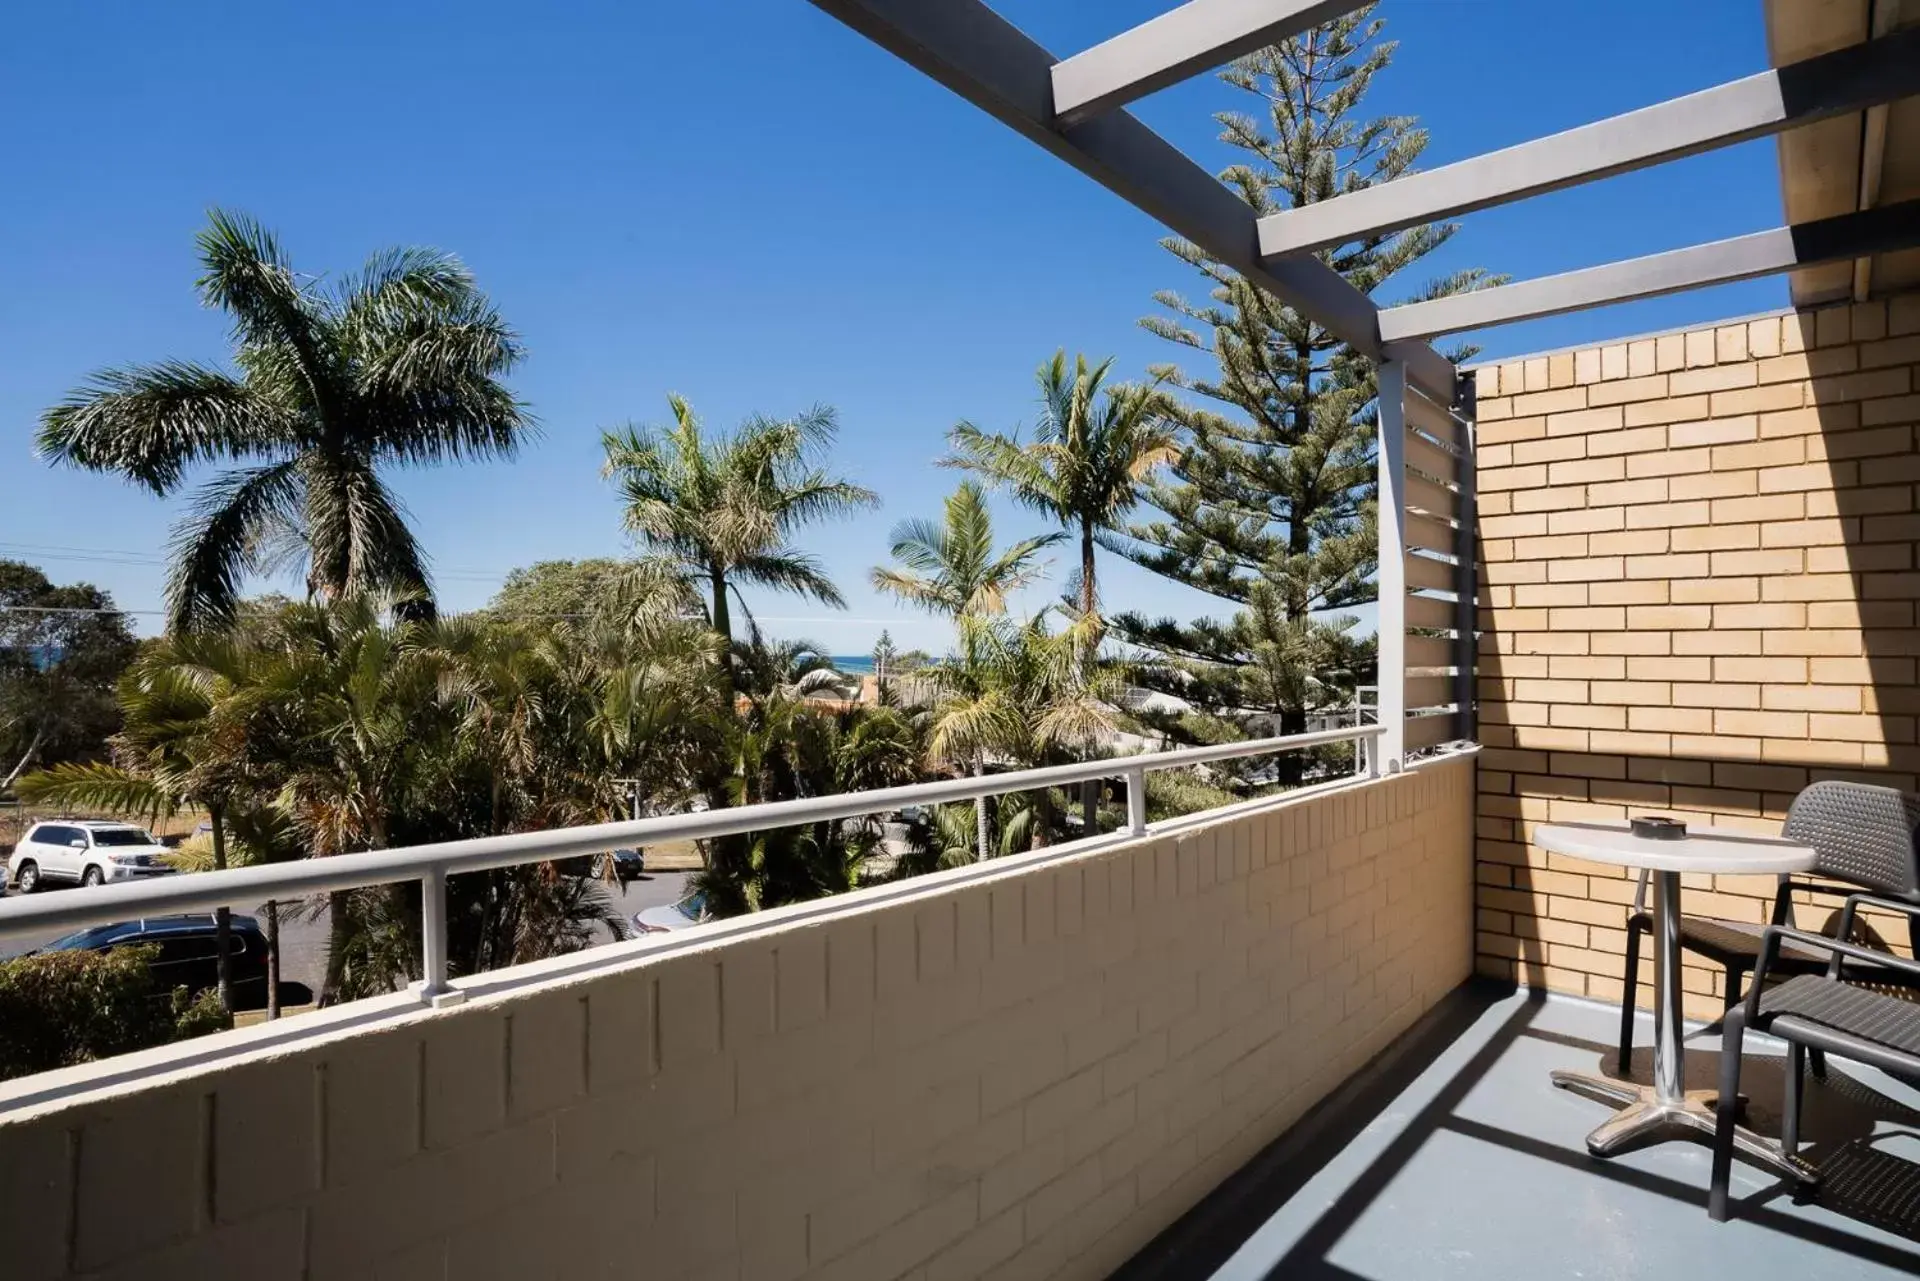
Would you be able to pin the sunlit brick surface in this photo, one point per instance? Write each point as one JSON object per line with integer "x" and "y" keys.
{"x": 1025, "y": 1076}
{"x": 1700, "y": 581}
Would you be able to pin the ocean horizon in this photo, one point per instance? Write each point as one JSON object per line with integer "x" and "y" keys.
{"x": 853, "y": 664}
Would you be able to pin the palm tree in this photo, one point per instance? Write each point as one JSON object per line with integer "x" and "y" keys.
{"x": 1089, "y": 456}
{"x": 357, "y": 730}
{"x": 722, "y": 509}
{"x": 399, "y": 364}
{"x": 952, "y": 568}
{"x": 1093, "y": 448}
{"x": 176, "y": 750}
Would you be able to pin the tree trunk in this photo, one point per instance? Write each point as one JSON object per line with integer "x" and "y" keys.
{"x": 33, "y": 746}
{"x": 980, "y": 804}
{"x": 723, "y": 624}
{"x": 1089, "y": 600}
{"x": 273, "y": 960}
{"x": 337, "y": 937}
{"x": 222, "y": 916}
{"x": 1290, "y": 767}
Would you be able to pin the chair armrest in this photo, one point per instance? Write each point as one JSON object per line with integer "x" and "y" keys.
{"x": 1854, "y": 901}
{"x": 1770, "y": 952}
{"x": 1783, "y": 896}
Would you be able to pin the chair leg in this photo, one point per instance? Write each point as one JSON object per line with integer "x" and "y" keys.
{"x": 1819, "y": 1060}
{"x": 1790, "y": 1108}
{"x": 1733, "y": 1038}
{"x": 1735, "y": 982}
{"x": 1631, "y": 987}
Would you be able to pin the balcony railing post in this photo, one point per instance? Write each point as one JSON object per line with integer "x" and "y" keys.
{"x": 1137, "y": 801}
{"x": 1390, "y": 749}
{"x": 433, "y": 940}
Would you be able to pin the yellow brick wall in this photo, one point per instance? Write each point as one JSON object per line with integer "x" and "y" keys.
{"x": 996, "y": 1073}
{"x": 1698, "y": 596}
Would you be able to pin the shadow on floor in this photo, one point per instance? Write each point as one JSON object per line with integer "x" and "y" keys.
{"x": 1452, "y": 1156}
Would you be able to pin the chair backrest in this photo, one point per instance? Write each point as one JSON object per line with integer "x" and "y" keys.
{"x": 1863, "y": 834}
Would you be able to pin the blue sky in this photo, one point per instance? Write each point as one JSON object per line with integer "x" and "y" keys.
{"x": 742, "y": 202}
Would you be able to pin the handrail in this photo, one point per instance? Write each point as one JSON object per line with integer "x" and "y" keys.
{"x": 432, "y": 864}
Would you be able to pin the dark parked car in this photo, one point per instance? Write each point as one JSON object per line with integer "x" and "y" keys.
{"x": 626, "y": 864}
{"x": 188, "y": 951}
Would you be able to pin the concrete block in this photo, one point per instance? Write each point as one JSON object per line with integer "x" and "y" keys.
{"x": 122, "y": 1210}
{"x": 547, "y": 1053}
{"x": 466, "y": 1076}
{"x": 266, "y": 1118}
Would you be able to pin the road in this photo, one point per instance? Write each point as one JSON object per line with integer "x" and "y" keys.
{"x": 303, "y": 936}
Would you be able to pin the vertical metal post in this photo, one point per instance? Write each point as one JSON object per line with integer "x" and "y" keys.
{"x": 433, "y": 940}
{"x": 1668, "y": 1063}
{"x": 1137, "y": 801}
{"x": 1466, "y": 620}
{"x": 1390, "y": 749}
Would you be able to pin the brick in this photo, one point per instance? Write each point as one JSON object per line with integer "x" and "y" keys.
{"x": 1586, "y": 365}
{"x": 1862, "y": 386}
{"x": 1765, "y": 507}
{"x": 1699, "y": 348}
{"x": 1798, "y": 367}
{"x": 1713, "y": 591}
{"x": 1774, "y": 561}
{"x": 1686, "y": 565}
{"x": 1668, "y": 462}
{"x": 1628, "y": 492}
{"x": 1578, "y": 422}
{"x": 1894, "y": 351}
{"x": 1629, "y": 441}
{"x": 1631, "y": 389}
{"x": 1756, "y": 400}
{"x": 1585, "y": 470}
{"x": 1714, "y": 538}
{"x": 1832, "y": 325}
{"x": 1641, "y": 592}
{"x": 1712, "y": 431}
{"x": 1717, "y": 378}
{"x": 1549, "y": 402}
{"x": 1761, "y": 453}
{"x": 1583, "y": 520}
{"x": 1549, "y": 450}
{"x": 1642, "y": 359}
{"x": 1560, "y": 369}
{"x": 1686, "y": 694}
{"x": 1892, "y": 409}
{"x": 1674, "y": 409}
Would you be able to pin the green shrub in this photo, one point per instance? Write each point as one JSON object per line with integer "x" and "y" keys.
{"x": 73, "y": 1007}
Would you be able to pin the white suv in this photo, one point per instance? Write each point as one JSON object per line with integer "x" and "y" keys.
{"x": 88, "y": 851}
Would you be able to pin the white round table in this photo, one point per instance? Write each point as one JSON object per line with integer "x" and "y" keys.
{"x": 1666, "y": 1109}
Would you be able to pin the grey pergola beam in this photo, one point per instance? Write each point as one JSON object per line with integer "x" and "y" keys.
{"x": 1764, "y": 253}
{"x": 1847, "y": 80}
{"x": 1184, "y": 42}
{"x": 985, "y": 59}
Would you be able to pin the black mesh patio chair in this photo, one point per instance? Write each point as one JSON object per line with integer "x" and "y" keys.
{"x": 1863, "y": 836}
{"x": 1824, "y": 1013}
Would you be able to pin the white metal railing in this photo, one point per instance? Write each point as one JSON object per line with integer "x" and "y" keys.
{"x": 432, "y": 864}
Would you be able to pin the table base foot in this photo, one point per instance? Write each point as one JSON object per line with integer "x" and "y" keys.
{"x": 1645, "y": 1118}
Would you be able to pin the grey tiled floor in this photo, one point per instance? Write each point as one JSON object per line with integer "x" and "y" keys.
{"x": 1456, "y": 1159}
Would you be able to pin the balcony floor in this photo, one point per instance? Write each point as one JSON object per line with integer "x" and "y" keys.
{"x": 1452, "y": 1156}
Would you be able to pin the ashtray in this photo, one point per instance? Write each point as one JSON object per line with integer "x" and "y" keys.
{"x": 1656, "y": 828}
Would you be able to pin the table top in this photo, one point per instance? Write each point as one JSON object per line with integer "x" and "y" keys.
{"x": 1705, "y": 849}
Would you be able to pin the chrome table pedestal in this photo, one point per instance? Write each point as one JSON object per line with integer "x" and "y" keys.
{"x": 1667, "y": 1109}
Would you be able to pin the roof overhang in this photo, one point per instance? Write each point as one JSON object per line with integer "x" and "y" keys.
{"x": 1847, "y": 164}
